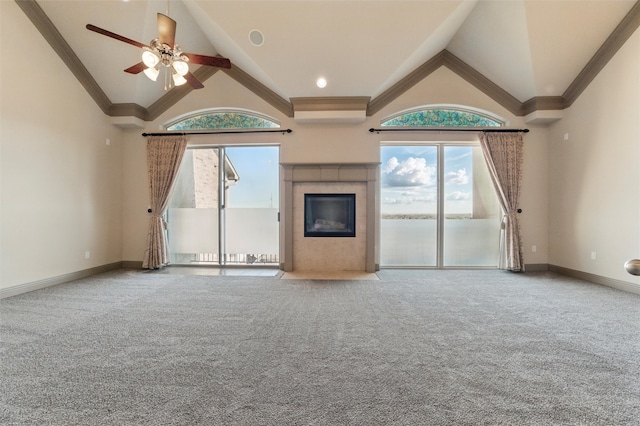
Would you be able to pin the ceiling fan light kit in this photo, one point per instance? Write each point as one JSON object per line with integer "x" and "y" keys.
{"x": 163, "y": 51}
{"x": 152, "y": 73}
{"x": 181, "y": 67}
{"x": 171, "y": 58}
{"x": 178, "y": 80}
{"x": 150, "y": 58}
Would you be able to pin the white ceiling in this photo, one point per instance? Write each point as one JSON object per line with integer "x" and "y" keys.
{"x": 529, "y": 48}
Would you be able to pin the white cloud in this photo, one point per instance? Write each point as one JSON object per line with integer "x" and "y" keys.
{"x": 458, "y": 196}
{"x": 457, "y": 178}
{"x": 410, "y": 172}
{"x": 391, "y": 165}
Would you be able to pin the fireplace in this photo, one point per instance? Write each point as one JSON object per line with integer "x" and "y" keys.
{"x": 329, "y": 200}
{"x": 329, "y": 215}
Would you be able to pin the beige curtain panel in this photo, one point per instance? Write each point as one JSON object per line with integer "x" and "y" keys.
{"x": 503, "y": 154}
{"x": 164, "y": 155}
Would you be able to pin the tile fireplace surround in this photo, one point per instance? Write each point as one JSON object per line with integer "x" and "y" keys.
{"x": 330, "y": 253}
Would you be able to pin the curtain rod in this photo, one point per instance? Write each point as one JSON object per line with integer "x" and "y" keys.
{"x": 413, "y": 129}
{"x": 217, "y": 132}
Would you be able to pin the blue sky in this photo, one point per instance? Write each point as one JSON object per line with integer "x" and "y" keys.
{"x": 409, "y": 179}
{"x": 408, "y": 175}
{"x": 258, "y": 168}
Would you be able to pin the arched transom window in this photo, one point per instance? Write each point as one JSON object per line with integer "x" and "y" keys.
{"x": 224, "y": 119}
{"x": 442, "y": 116}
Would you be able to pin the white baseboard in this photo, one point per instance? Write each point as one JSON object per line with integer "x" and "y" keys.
{"x": 60, "y": 279}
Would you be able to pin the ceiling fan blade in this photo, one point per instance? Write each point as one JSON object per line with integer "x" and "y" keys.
{"x": 193, "y": 81}
{"x": 137, "y": 68}
{"x": 208, "y": 60}
{"x": 166, "y": 30}
{"x": 114, "y": 35}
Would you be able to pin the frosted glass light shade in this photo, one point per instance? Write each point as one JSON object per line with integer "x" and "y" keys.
{"x": 152, "y": 73}
{"x": 181, "y": 67}
{"x": 179, "y": 80}
{"x": 150, "y": 59}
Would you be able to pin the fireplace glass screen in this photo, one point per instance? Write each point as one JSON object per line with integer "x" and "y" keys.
{"x": 329, "y": 215}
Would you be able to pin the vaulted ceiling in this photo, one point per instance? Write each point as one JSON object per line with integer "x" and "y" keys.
{"x": 526, "y": 54}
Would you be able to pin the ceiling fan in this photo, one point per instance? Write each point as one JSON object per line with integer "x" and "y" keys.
{"x": 164, "y": 52}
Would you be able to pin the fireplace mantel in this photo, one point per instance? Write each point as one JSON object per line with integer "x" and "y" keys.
{"x": 330, "y": 178}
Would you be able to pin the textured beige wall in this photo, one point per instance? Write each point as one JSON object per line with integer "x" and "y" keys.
{"x": 114, "y": 178}
{"x": 61, "y": 183}
{"x": 339, "y": 143}
{"x": 65, "y": 192}
{"x": 594, "y": 181}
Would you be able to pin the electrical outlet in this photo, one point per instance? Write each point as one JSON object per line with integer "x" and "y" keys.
{"x": 87, "y": 254}
{"x": 593, "y": 255}
{"x": 108, "y": 141}
{"x": 534, "y": 249}
{"x": 566, "y": 136}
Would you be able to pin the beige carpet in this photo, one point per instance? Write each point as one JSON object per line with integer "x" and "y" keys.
{"x": 330, "y": 275}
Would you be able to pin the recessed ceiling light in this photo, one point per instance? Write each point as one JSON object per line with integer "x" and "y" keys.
{"x": 321, "y": 82}
{"x": 256, "y": 38}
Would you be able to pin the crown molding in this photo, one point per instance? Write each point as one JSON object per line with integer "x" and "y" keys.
{"x": 128, "y": 110}
{"x": 461, "y": 68}
{"x": 543, "y": 103}
{"x": 43, "y": 24}
{"x": 406, "y": 83}
{"x": 164, "y": 103}
{"x": 603, "y": 55}
{"x": 260, "y": 90}
{"x": 174, "y": 95}
{"x": 330, "y": 109}
{"x": 609, "y": 48}
{"x": 482, "y": 83}
{"x": 331, "y": 103}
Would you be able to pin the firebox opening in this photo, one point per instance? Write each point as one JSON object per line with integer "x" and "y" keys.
{"x": 329, "y": 215}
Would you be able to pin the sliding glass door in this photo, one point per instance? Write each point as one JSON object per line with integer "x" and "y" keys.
{"x": 250, "y": 207}
{"x": 409, "y": 226}
{"x": 224, "y": 207}
{"x": 438, "y": 207}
